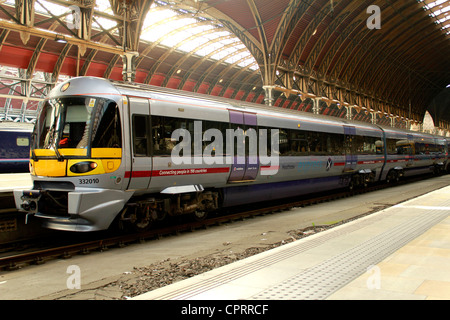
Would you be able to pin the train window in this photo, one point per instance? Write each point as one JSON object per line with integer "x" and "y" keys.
{"x": 335, "y": 144}
{"x": 305, "y": 143}
{"x": 299, "y": 143}
{"x": 140, "y": 136}
{"x": 23, "y": 141}
{"x": 162, "y": 128}
{"x": 214, "y": 125}
{"x": 391, "y": 146}
{"x": 357, "y": 145}
{"x": 283, "y": 142}
{"x": 317, "y": 143}
{"x": 440, "y": 148}
{"x": 108, "y": 133}
{"x": 371, "y": 145}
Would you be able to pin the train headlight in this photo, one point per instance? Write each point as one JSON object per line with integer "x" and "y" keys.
{"x": 83, "y": 167}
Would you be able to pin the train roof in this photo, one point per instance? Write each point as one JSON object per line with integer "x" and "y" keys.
{"x": 150, "y": 91}
{"x": 16, "y": 126}
{"x": 129, "y": 88}
{"x": 136, "y": 88}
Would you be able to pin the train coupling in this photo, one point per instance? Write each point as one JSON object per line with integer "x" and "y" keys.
{"x": 29, "y": 202}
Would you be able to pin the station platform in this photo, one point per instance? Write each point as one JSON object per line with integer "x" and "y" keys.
{"x": 400, "y": 253}
{"x": 11, "y": 181}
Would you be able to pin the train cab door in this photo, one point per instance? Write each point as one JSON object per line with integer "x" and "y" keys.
{"x": 141, "y": 160}
{"x": 244, "y": 168}
{"x": 351, "y": 159}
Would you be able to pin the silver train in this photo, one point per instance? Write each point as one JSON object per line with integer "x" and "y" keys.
{"x": 105, "y": 152}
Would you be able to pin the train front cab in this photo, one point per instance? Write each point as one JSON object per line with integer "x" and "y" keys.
{"x": 77, "y": 159}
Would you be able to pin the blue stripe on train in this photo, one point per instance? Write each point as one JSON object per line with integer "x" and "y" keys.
{"x": 238, "y": 195}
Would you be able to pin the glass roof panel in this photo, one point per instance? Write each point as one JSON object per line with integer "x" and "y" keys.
{"x": 177, "y": 27}
{"x": 440, "y": 11}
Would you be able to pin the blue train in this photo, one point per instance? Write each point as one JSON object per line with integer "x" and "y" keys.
{"x": 15, "y": 139}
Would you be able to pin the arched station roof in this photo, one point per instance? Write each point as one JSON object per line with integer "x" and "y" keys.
{"x": 382, "y": 60}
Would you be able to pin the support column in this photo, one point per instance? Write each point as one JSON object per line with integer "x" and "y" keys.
{"x": 25, "y": 15}
{"x": 408, "y": 124}
{"x": 129, "y": 66}
{"x": 349, "y": 112}
{"x": 268, "y": 95}
{"x": 374, "y": 117}
{"x": 316, "y": 105}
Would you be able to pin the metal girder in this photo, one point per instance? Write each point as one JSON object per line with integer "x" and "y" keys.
{"x": 157, "y": 42}
{"x": 310, "y": 31}
{"x": 25, "y": 16}
{"x": 245, "y": 82}
{"x": 59, "y": 63}
{"x": 222, "y": 74}
{"x": 211, "y": 69}
{"x": 51, "y": 36}
{"x": 180, "y": 62}
{"x": 230, "y": 80}
{"x": 133, "y": 13}
{"x": 194, "y": 67}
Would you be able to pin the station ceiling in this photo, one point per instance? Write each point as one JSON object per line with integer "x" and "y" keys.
{"x": 382, "y": 58}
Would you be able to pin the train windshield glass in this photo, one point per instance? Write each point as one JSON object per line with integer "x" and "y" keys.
{"x": 78, "y": 122}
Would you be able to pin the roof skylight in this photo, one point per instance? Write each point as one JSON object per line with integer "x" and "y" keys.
{"x": 193, "y": 33}
{"x": 439, "y": 10}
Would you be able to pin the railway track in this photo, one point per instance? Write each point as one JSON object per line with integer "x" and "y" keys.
{"x": 16, "y": 260}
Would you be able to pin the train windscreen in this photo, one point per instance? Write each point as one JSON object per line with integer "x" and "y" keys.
{"x": 78, "y": 122}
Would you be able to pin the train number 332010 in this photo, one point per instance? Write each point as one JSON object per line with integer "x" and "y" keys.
{"x": 89, "y": 181}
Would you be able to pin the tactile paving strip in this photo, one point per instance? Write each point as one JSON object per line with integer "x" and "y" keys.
{"x": 285, "y": 253}
{"x": 322, "y": 280}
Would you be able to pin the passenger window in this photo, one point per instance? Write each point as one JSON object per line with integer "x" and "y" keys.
{"x": 23, "y": 141}
{"x": 109, "y": 133}
{"x": 140, "y": 136}
{"x": 162, "y": 128}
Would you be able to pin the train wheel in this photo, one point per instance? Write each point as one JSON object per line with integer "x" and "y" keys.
{"x": 199, "y": 215}
{"x": 354, "y": 182}
{"x": 392, "y": 177}
{"x": 138, "y": 218}
{"x": 143, "y": 219}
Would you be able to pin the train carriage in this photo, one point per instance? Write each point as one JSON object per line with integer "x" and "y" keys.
{"x": 14, "y": 146}
{"x": 107, "y": 151}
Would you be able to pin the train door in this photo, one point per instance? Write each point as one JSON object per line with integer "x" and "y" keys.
{"x": 141, "y": 161}
{"x": 244, "y": 168}
{"x": 351, "y": 159}
{"x": 410, "y": 152}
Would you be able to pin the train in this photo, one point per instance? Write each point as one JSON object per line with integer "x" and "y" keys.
{"x": 106, "y": 152}
{"x": 15, "y": 141}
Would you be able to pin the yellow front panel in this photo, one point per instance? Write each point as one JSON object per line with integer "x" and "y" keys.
{"x": 111, "y": 165}
{"x": 106, "y": 153}
{"x": 64, "y": 152}
{"x": 49, "y": 168}
{"x": 53, "y": 168}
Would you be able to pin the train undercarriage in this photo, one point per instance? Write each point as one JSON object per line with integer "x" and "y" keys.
{"x": 141, "y": 212}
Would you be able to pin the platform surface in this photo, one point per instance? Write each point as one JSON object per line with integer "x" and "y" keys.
{"x": 11, "y": 181}
{"x": 402, "y": 252}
